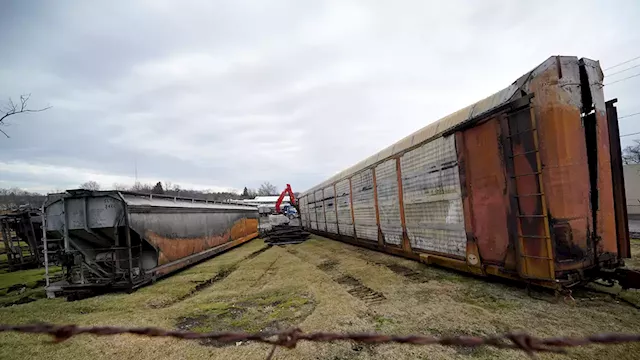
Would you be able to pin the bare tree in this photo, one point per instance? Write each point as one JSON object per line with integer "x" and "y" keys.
{"x": 631, "y": 154}
{"x": 90, "y": 185}
{"x": 267, "y": 189}
{"x": 12, "y": 109}
{"x": 120, "y": 187}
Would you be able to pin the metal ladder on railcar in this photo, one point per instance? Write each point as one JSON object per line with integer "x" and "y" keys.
{"x": 526, "y": 261}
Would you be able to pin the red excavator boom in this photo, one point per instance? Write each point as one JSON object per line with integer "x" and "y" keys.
{"x": 292, "y": 198}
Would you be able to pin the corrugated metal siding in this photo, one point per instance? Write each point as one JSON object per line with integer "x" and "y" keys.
{"x": 330, "y": 210}
{"x": 311, "y": 206}
{"x": 322, "y": 225}
{"x": 432, "y": 198}
{"x": 388, "y": 202}
{"x": 363, "y": 205}
{"x": 303, "y": 213}
{"x": 343, "y": 201}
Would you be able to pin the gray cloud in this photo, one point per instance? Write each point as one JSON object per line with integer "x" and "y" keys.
{"x": 228, "y": 94}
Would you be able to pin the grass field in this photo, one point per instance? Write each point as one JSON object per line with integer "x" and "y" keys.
{"x": 320, "y": 285}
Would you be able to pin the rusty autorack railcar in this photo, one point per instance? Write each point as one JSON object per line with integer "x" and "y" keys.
{"x": 519, "y": 185}
{"x": 123, "y": 240}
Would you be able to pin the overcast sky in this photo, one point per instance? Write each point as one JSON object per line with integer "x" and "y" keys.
{"x": 227, "y": 94}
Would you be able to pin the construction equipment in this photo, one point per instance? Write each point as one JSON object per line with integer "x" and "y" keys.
{"x": 284, "y": 227}
{"x": 292, "y": 200}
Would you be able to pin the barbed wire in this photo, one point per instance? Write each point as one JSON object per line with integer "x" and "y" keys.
{"x": 290, "y": 338}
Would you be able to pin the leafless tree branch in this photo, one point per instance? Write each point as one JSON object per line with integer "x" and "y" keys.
{"x": 12, "y": 108}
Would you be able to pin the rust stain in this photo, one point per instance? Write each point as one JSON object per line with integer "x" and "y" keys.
{"x": 486, "y": 198}
{"x": 406, "y": 245}
{"x": 563, "y": 153}
{"x": 179, "y": 265}
{"x": 172, "y": 249}
{"x": 606, "y": 219}
{"x": 375, "y": 204}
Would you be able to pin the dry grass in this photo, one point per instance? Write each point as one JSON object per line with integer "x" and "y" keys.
{"x": 319, "y": 285}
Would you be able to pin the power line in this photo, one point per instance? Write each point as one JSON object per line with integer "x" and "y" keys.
{"x": 623, "y": 79}
{"x": 622, "y": 63}
{"x": 635, "y": 133}
{"x": 630, "y": 115}
{"x": 621, "y": 71}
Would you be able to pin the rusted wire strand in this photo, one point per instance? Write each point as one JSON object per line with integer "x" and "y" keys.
{"x": 289, "y": 339}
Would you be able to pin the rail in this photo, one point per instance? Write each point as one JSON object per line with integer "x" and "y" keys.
{"x": 290, "y": 338}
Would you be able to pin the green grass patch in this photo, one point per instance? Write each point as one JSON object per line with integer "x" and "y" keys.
{"x": 30, "y": 278}
{"x": 265, "y": 311}
{"x": 486, "y": 295}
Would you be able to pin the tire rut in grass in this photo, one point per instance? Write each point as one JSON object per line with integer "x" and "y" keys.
{"x": 221, "y": 275}
{"x": 256, "y": 253}
{"x": 352, "y": 285}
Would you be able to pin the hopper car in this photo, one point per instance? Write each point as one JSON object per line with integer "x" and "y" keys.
{"x": 113, "y": 240}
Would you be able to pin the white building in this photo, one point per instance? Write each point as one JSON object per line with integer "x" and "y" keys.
{"x": 265, "y": 201}
{"x": 632, "y": 188}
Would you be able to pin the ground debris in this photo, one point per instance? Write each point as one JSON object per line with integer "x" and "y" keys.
{"x": 285, "y": 234}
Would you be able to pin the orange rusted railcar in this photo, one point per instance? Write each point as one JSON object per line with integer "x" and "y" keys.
{"x": 519, "y": 185}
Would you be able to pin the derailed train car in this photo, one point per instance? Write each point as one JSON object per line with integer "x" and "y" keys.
{"x": 121, "y": 240}
{"x": 526, "y": 184}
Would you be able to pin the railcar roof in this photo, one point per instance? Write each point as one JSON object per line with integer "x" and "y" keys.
{"x": 437, "y": 128}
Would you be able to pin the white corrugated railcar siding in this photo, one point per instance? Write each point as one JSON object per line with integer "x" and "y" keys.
{"x": 305, "y": 210}
{"x": 322, "y": 225}
{"x": 311, "y": 204}
{"x": 330, "y": 210}
{"x": 432, "y": 198}
{"x": 388, "y": 202}
{"x": 364, "y": 206}
{"x": 343, "y": 201}
{"x": 304, "y": 215}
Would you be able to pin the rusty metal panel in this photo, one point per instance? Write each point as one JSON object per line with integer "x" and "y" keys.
{"x": 432, "y": 198}
{"x": 606, "y": 221}
{"x": 363, "y": 206}
{"x": 330, "y": 210}
{"x": 533, "y": 239}
{"x": 619, "y": 191}
{"x": 488, "y": 201}
{"x": 388, "y": 202}
{"x": 563, "y": 151}
{"x": 345, "y": 223}
{"x": 320, "y": 216}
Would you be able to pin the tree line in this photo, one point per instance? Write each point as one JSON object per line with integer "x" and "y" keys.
{"x": 16, "y": 198}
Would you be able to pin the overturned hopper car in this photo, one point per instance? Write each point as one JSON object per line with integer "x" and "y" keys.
{"x": 526, "y": 184}
{"x": 114, "y": 240}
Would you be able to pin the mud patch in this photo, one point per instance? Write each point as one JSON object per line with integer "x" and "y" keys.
{"x": 409, "y": 273}
{"x": 356, "y": 289}
{"x": 257, "y": 252}
{"x": 263, "y": 312}
{"x": 328, "y": 265}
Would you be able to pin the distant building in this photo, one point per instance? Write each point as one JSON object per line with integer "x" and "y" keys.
{"x": 264, "y": 201}
{"x": 632, "y": 188}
